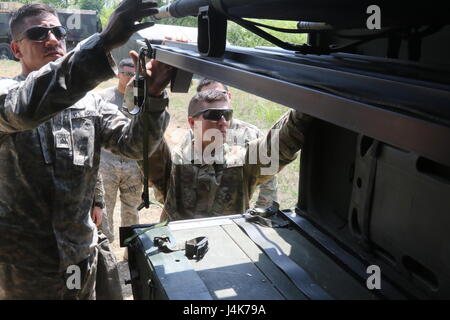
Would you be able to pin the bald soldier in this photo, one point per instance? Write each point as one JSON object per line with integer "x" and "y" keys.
{"x": 206, "y": 176}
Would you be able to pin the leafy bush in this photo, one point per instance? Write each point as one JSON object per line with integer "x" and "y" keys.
{"x": 104, "y": 15}
{"x": 240, "y": 36}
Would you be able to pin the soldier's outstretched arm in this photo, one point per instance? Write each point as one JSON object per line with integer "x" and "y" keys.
{"x": 269, "y": 154}
{"x": 57, "y": 85}
{"x": 268, "y": 192}
{"x": 125, "y": 137}
{"x": 160, "y": 166}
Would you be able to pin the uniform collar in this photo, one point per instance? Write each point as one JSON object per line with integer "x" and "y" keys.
{"x": 20, "y": 77}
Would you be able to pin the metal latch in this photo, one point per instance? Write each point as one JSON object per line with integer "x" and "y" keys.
{"x": 196, "y": 248}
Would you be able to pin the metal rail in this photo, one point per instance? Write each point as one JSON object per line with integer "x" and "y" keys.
{"x": 288, "y": 81}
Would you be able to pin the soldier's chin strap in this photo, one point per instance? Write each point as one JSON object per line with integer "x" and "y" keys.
{"x": 140, "y": 97}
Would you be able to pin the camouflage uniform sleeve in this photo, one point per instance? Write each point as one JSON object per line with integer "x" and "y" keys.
{"x": 283, "y": 142}
{"x": 160, "y": 165}
{"x": 99, "y": 191}
{"x": 123, "y": 136}
{"x": 57, "y": 85}
{"x": 268, "y": 192}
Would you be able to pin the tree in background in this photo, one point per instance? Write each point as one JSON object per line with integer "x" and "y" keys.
{"x": 239, "y": 36}
{"x": 185, "y": 22}
{"x": 104, "y": 15}
{"x": 54, "y": 3}
{"x": 236, "y": 35}
{"x": 96, "y": 5}
{"x": 104, "y": 8}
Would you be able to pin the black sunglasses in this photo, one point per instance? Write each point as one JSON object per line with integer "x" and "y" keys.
{"x": 41, "y": 33}
{"x": 128, "y": 74}
{"x": 215, "y": 114}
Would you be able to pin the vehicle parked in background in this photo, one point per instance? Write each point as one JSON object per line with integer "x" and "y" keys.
{"x": 80, "y": 24}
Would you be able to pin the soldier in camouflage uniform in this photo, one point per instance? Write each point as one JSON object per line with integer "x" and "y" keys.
{"x": 194, "y": 187}
{"x": 244, "y": 132}
{"x": 51, "y": 134}
{"x": 120, "y": 173}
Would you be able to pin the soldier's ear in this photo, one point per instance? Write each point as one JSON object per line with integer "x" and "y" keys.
{"x": 15, "y": 48}
{"x": 191, "y": 122}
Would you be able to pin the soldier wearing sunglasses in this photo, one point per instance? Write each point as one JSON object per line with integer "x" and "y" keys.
{"x": 195, "y": 180}
{"x": 51, "y": 134}
{"x": 243, "y": 132}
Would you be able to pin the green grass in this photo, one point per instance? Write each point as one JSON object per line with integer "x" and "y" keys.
{"x": 9, "y": 68}
{"x": 247, "y": 107}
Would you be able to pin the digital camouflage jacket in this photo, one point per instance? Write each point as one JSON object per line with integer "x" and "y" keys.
{"x": 241, "y": 133}
{"x": 51, "y": 134}
{"x": 191, "y": 190}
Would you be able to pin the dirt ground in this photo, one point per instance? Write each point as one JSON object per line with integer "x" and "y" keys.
{"x": 174, "y": 134}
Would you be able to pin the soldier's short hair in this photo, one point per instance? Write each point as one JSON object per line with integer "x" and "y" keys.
{"x": 206, "y": 82}
{"x": 16, "y": 22}
{"x": 201, "y": 100}
{"x": 128, "y": 62}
